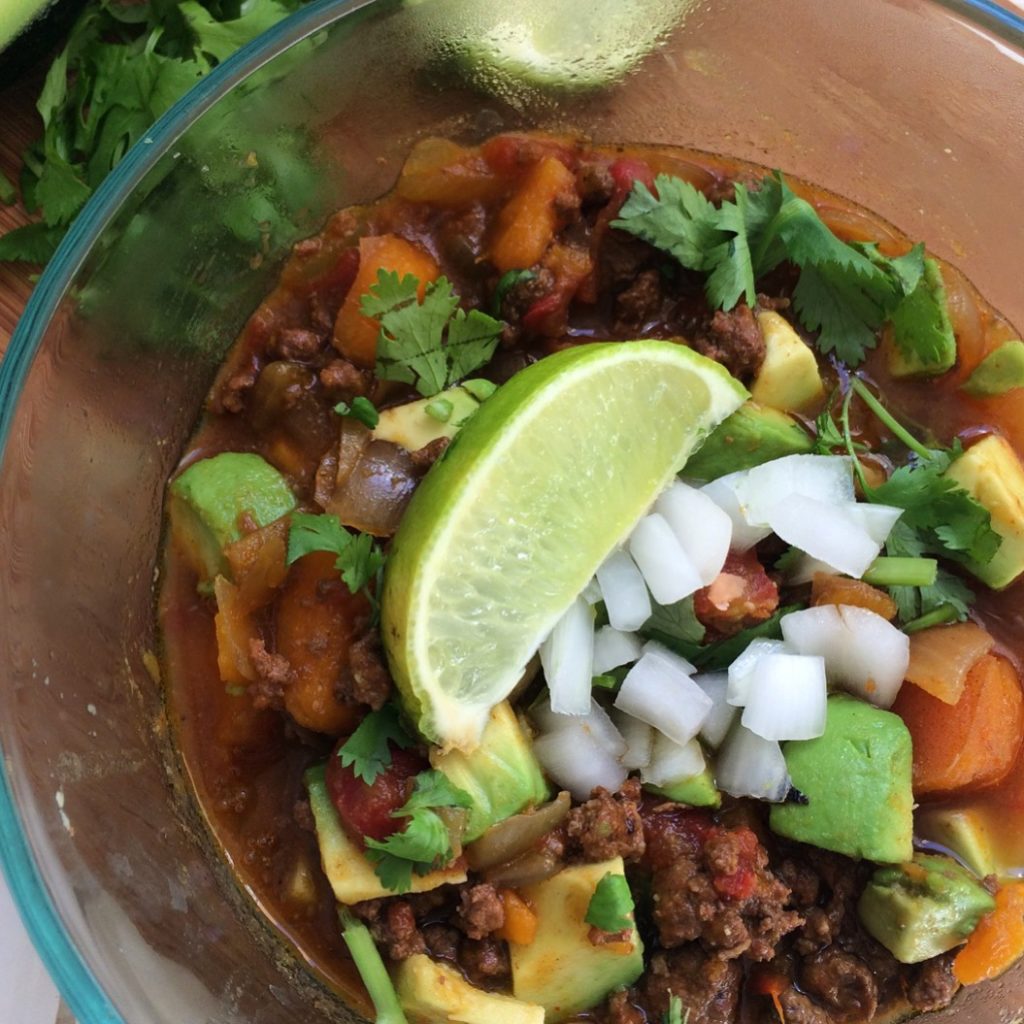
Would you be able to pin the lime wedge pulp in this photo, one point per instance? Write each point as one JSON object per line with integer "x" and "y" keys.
{"x": 549, "y": 475}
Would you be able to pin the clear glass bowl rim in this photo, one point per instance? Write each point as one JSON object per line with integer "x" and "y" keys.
{"x": 78, "y": 986}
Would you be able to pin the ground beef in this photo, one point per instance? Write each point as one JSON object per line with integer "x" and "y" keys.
{"x": 608, "y": 825}
{"x": 481, "y": 911}
{"x": 485, "y": 963}
{"x": 741, "y": 596}
{"x": 273, "y": 674}
{"x": 393, "y": 926}
{"x": 342, "y": 380}
{"x": 842, "y": 983}
{"x": 638, "y": 304}
{"x": 709, "y": 989}
{"x": 798, "y": 1009}
{"x": 423, "y": 458}
{"x": 442, "y": 941}
{"x": 297, "y": 343}
{"x": 621, "y": 260}
{"x": 231, "y": 395}
{"x": 620, "y": 1009}
{"x": 302, "y": 815}
{"x": 370, "y": 681}
{"x": 733, "y": 339}
{"x": 520, "y": 297}
{"x": 594, "y": 182}
{"x": 931, "y": 986}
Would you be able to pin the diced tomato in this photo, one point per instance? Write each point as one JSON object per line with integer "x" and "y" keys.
{"x": 543, "y": 308}
{"x": 672, "y": 830}
{"x": 512, "y": 154}
{"x": 738, "y": 884}
{"x": 547, "y": 316}
{"x": 626, "y": 171}
{"x": 740, "y": 596}
{"x": 365, "y": 810}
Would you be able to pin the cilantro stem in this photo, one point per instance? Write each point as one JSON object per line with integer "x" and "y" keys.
{"x": 937, "y": 617}
{"x": 371, "y": 969}
{"x": 851, "y": 445}
{"x": 895, "y": 427}
{"x": 887, "y": 571}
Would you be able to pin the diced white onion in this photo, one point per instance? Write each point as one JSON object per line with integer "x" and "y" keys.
{"x": 576, "y": 761}
{"x": 748, "y": 765}
{"x": 825, "y": 478}
{"x": 877, "y": 520}
{"x": 673, "y": 762}
{"x": 667, "y": 569}
{"x": 653, "y": 647}
{"x": 721, "y": 715}
{"x": 625, "y": 594}
{"x": 592, "y": 591}
{"x": 741, "y": 670}
{"x": 806, "y": 568}
{"x": 700, "y": 526}
{"x": 613, "y": 648}
{"x": 863, "y": 653}
{"x": 657, "y": 692}
{"x": 639, "y": 737}
{"x": 567, "y": 657}
{"x": 596, "y": 722}
{"x": 724, "y": 493}
{"x": 787, "y": 696}
{"x": 834, "y": 533}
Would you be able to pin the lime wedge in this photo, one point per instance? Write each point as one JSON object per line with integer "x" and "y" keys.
{"x": 549, "y": 475}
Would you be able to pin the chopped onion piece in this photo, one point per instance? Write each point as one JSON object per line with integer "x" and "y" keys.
{"x": 672, "y": 762}
{"x": 740, "y": 671}
{"x": 667, "y": 569}
{"x": 595, "y": 722}
{"x": 786, "y": 699}
{"x": 834, "y": 533}
{"x": 724, "y": 493}
{"x": 574, "y": 758}
{"x": 659, "y": 693}
{"x": 613, "y": 648}
{"x": 653, "y": 647}
{"x": 591, "y": 593}
{"x": 863, "y": 653}
{"x": 716, "y": 725}
{"x": 806, "y": 568}
{"x": 624, "y": 591}
{"x": 825, "y": 478}
{"x": 639, "y": 737}
{"x": 748, "y": 765}
{"x": 567, "y": 658}
{"x": 877, "y": 520}
{"x": 701, "y": 527}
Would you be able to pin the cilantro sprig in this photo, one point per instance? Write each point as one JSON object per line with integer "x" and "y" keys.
{"x": 361, "y": 409}
{"x": 368, "y": 750}
{"x": 425, "y": 843}
{"x": 611, "y": 906}
{"x": 845, "y": 292}
{"x": 431, "y": 343}
{"x": 359, "y": 556}
{"x": 674, "y": 1014}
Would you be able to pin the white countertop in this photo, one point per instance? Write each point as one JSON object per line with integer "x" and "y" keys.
{"x": 27, "y": 996}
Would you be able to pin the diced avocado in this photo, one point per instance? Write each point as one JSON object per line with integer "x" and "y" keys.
{"x": 562, "y": 969}
{"x": 922, "y": 336}
{"x": 1000, "y": 371}
{"x": 502, "y": 776}
{"x": 857, "y": 780}
{"x": 751, "y": 435}
{"x": 991, "y": 471}
{"x": 963, "y": 830}
{"x": 432, "y": 993}
{"x": 921, "y": 909}
{"x": 789, "y": 378}
{"x": 351, "y": 875}
{"x": 696, "y": 790}
{"x": 413, "y": 427}
{"x": 212, "y": 500}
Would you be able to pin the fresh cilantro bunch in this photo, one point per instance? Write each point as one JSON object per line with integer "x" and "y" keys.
{"x": 368, "y": 750}
{"x": 359, "y": 556}
{"x": 611, "y": 907}
{"x": 425, "y": 844}
{"x": 431, "y": 344}
{"x": 844, "y": 292}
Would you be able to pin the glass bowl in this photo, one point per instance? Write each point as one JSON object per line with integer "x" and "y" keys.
{"x": 914, "y": 109}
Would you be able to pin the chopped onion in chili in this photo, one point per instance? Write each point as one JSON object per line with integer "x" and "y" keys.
{"x": 667, "y": 569}
{"x": 720, "y": 718}
{"x": 657, "y": 691}
{"x": 787, "y": 696}
{"x": 724, "y": 492}
{"x": 575, "y": 758}
{"x": 567, "y": 657}
{"x": 639, "y": 738}
{"x": 595, "y": 722}
{"x": 612, "y": 648}
{"x": 700, "y": 526}
{"x": 673, "y": 762}
{"x": 748, "y": 765}
{"x": 625, "y": 594}
{"x": 741, "y": 670}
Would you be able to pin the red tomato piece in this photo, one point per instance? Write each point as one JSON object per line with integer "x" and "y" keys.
{"x": 740, "y": 596}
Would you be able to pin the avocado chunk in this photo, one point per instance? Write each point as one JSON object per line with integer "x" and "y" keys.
{"x": 857, "y": 780}
{"x": 413, "y": 427}
{"x": 789, "y": 378}
{"x": 751, "y": 435}
{"x": 214, "y": 499}
{"x": 1000, "y": 371}
{"x": 696, "y": 790}
{"x": 992, "y": 473}
{"x": 502, "y": 776}
{"x": 433, "y": 993}
{"x": 922, "y": 336}
{"x": 921, "y": 909}
{"x": 962, "y": 830}
{"x": 347, "y": 869}
{"x": 562, "y": 969}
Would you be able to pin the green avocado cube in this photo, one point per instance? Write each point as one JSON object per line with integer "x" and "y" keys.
{"x": 751, "y": 435}
{"x": 921, "y": 909}
{"x": 214, "y": 500}
{"x": 1000, "y": 371}
{"x": 696, "y": 790}
{"x": 502, "y": 776}
{"x": 965, "y": 832}
{"x": 857, "y": 781}
{"x": 789, "y": 378}
{"x": 415, "y": 424}
{"x": 923, "y": 340}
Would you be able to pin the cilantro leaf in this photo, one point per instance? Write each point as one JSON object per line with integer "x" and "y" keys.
{"x": 433, "y": 789}
{"x": 722, "y": 653}
{"x": 368, "y": 750}
{"x": 674, "y": 1014}
{"x": 505, "y": 284}
{"x": 913, "y": 602}
{"x": 361, "y": 409}
{"x": 31, "y": 243}
{"x": 828, "y": 435}
{"x": 8, "y": 193}
{"x": 359, "y": 555}
{"x": 472, "y": 339}
{"x": 611, "y": 906}
{"x": 676, "y": 626}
